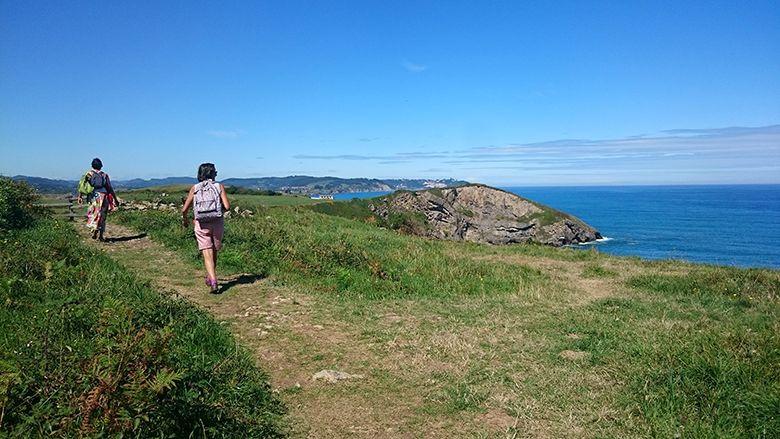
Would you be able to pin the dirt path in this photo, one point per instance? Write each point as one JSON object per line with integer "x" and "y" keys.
{"x": 423, "y": 370}
{"x": 292, "y": 340}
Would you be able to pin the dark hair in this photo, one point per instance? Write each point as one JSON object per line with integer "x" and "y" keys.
{"x": 207, "y": 171}
{"x": 97, "y": 164}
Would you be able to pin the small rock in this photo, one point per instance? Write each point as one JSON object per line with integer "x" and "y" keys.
{"x": 573, "y": 355}
{"x": 333, "y": 376}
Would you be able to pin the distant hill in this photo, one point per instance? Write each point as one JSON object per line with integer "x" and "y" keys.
{"x": 303, "y": 184}
{"x": 138, "y": 183}
{"x": 48, "y": 185}
{"x": 55, "y": 186}
{"x": 298, "y": 184}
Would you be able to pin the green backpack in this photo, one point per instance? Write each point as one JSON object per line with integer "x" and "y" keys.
{"x": 85, "y": 187}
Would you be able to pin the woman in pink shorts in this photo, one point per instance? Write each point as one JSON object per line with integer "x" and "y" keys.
{"x": 209, "y": 201}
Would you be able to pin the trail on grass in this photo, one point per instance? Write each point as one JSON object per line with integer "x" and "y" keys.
{"x": 408, "y": 355}
{"x": 291, "y": 340}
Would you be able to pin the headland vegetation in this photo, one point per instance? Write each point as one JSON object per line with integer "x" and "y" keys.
{"x": 434, "y": 338}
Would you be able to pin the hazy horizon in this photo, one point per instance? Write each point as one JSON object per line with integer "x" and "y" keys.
{"x": 499, "y": 185}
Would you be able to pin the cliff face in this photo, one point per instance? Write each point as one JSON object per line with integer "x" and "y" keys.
{"x": 483, "y": 214}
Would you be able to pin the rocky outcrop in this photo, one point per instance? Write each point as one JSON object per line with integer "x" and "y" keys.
{"x": 480, "y": 213}
{"x": 159, "y": 205}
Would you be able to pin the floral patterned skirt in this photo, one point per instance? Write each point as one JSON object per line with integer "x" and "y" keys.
{"x": 97, "y": 210}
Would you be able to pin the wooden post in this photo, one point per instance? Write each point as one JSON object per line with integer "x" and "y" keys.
{"x": 72, "y": 215}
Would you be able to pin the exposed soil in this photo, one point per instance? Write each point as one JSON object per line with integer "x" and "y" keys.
{"x": 408, "y": 355}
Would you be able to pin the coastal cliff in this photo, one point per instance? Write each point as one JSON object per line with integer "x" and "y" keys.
{"x": 483, "y": 214}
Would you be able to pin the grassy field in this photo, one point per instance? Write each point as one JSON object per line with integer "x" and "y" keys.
{"x": 248, "y": 199}
{"x": 450, "y": 339}
{"x": 459, "y": 338}
{"x": 89, "y": 350}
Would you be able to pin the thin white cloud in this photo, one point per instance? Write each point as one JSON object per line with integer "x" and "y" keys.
{"x": 397, "y": 157}
{"x": 734, "y": 154}
{"x": 413, "y": 67}
{"x": 225, "y": 134}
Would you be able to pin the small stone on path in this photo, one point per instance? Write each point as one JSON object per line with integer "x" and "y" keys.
{"x": 573, "y": 355}
{"x": 333, "y": 376}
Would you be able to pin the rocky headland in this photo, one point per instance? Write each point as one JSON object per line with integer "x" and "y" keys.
{"x": 483, "y": 214}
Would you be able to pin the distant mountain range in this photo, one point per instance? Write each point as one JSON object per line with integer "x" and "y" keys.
{"x": 299, "y": 184}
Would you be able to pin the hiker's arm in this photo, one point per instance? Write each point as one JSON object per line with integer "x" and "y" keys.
{"x": 186, "y": 207}
{"x": 110, "y": 189}
{"x": 223, "y": 196}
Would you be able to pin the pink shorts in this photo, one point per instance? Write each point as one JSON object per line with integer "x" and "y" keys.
{"x": 209, "y": 234}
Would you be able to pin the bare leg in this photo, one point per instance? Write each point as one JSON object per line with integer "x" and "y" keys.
{"x": 103, "y": 217}
{"x": 208, "y": 260}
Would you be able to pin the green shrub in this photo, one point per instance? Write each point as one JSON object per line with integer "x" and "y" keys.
{"x": 238, "y": 190}
{"x": 17, "y": 204}
{"x": 88, "y": 350}
{"x": 356, "y": 209}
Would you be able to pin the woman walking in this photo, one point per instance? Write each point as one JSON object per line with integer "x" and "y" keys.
{"x": 208, "y": 200}
{"x": 96, "y": 186}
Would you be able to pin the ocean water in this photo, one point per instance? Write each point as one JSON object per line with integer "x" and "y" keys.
{"x": 729, "y": 225}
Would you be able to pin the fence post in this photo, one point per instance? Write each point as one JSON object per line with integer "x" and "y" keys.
{"x": 72, "y": 214}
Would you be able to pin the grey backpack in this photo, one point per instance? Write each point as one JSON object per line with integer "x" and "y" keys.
{"x": 207, "y": 205}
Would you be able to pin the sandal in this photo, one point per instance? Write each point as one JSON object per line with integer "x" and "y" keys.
{"x": 212, "y": 283}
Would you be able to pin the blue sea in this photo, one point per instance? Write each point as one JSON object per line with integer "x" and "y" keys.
{"x": 730, "y": 225}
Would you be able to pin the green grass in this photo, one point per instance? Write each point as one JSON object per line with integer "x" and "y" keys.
{"x": 89, "y": 350}
{"x": 595, "y": 270}
{"x": 697, "y": 354}
{"x": 359, "y": 209}
{"x": 356, "y": 209}
{"x": 340, "y": 256}
{"x": 545, "y": 217}
{"x": 693, "y": 354}
{"x": 246, "y": 199}
{"x": 256, "y": 201}
{"x": 450, "y": 331}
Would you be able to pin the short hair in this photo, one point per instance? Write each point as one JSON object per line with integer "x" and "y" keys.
{"x": 207, "y": 171}
{"x": 97, "y": 164}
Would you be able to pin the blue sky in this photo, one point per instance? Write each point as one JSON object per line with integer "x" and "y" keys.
{"x": 506, "y": 93}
